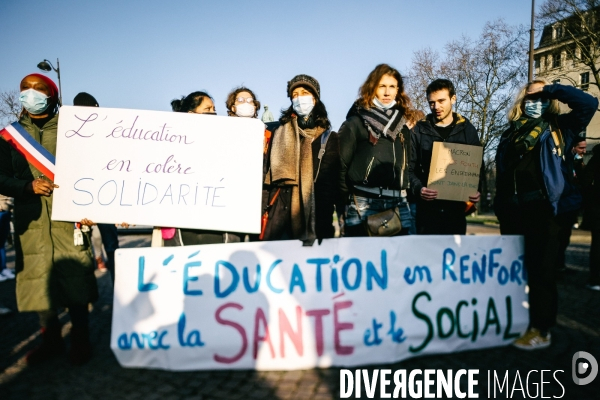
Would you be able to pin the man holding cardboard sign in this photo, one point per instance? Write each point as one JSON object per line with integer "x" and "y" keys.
{"x": 452, "y": 169}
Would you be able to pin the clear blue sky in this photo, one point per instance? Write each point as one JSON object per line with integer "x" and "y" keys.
{"x": 144, "y": 53}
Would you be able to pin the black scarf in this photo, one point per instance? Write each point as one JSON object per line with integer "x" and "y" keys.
{"x": 380, "y": 123}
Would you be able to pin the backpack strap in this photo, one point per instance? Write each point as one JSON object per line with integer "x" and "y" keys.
{"x": 324, "y": 138}
{"x": 557, "y": 137}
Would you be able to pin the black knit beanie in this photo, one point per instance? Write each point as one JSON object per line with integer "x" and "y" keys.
{"x": 304, "y": 80}
{"x": 85, "y": 99}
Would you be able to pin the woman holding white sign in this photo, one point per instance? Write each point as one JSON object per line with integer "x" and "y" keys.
{"x": 195, "y": 103}
{"x": 53, "y": 259}
{"x": 374, "y": 148}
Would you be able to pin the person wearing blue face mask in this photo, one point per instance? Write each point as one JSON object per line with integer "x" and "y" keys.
{"x": 301, "y": 164}
{"x": 53, "y": 270}
{"x": 532, "y": 183}
{"x": 374, "y": 152}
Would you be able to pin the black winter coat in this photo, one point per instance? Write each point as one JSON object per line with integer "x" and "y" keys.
{"x": 423, "y": 137}
{"x": 365, "y": 164}
{"x": 326, "y": 190}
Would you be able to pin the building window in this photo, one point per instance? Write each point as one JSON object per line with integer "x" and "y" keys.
{"x": 536, "y": 62}
{"x": 558, "y": 32}
{"x": 556, "y": 60}
{"x": 584, "y": 80}
{"x": 556, "y": 81}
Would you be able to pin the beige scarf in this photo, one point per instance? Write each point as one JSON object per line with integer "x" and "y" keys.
{"x": 292, "y": 165}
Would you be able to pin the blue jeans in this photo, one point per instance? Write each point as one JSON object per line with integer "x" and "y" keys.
{"x": 369, "y": 206}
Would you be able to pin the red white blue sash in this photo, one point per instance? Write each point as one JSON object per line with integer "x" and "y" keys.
{"x": 28, "y": 147}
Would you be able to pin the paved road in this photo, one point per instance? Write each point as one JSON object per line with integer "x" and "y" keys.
{"x": 102, "y": 378}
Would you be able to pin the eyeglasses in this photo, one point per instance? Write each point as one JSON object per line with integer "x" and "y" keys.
{"x": 249, "y": 100}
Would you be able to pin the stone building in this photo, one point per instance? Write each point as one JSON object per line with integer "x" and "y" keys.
{"x": 558, "y": 59}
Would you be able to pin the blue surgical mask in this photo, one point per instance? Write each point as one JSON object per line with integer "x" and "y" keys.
{"x": 34, "y": 102}
{"x": 535, "y": 108}
{"x": 382, "y": 106}
{"x": 303, "y": 105}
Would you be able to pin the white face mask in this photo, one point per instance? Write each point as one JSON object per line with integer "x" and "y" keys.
{"x": 245, "y": 110}
{"x": 303, "y": 105}
{"x": 382, "y": 106}
{"x": 535, "y": 108}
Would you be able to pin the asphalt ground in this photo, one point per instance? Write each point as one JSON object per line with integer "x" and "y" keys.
{"x": 102, "y": 377}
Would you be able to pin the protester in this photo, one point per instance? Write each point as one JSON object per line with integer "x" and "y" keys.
{"x": 529, "y": 184}
{"x": 52, "y": 271}
{"x": 436, "y": 216}
{"x": 590, "y": 181}
{"x": 108, "y": 232}
{"x": 301, "y": 168}
{"x": 374, "y": 150}
{"x": 6, "y": 205}
{"x": 241, "y": 102}
{"x": 571, "y": 200}
{"x": 196, "y": 103}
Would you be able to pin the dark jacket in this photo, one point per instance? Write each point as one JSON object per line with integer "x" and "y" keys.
{"x": 365, "y": 164}
{"x": 552, "y": 181}
{"x": 590, "y": 184}
{"x": 423, "y": 137}
{"x": 325, "y": 187}
{"x": 51, "y": 271}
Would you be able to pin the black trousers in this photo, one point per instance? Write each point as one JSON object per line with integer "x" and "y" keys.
{"x": 595, "y": 258}
{"x": 566, "y": 222}
{"x": 536, "y": 222}
{"x": 441, "y": 217}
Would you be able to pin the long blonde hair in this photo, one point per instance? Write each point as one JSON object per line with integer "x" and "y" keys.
{"x": 517, "y": 109}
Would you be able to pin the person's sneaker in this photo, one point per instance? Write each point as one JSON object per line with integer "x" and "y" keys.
{"x": 7, "y": 273}
{"x": 532, "y": 340}
{"x": 591, "y": 286}
{"x": 4, "y": 310}
{"x": 2, "y": 277}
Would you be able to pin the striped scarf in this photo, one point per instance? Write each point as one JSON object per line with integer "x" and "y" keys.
{"x": 527, "y": 132}
{"x": 382, "y": 123}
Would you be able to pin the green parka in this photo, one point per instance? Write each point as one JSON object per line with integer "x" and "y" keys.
{"x": 51, "y": 271}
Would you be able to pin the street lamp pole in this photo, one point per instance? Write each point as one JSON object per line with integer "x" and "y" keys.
{"x": 46, "y": 65}
{"x": 531, "y": 42}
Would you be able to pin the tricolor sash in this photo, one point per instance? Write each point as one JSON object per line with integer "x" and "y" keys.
{"x": 28, "y": 147}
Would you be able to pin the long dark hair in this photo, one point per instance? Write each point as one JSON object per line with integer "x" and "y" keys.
{"x": 189, "y": 102}
{"x": 318, "y": 115}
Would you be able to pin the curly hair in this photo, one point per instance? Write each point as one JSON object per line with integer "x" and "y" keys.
{"x": 368, "y": 90}
{"x": 230, "y": 102}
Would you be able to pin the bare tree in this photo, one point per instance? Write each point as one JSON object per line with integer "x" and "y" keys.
{"x": 10, "y": 107}
{"x": 578, "y": 25}
{"x": 486, "y": 73}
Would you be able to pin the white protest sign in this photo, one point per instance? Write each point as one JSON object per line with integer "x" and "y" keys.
{"x": 346, "y": 302}
{"x": 454, "y": 170}
{"x": 159, "y": 168}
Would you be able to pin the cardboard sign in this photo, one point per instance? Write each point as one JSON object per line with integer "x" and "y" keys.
{"x": 159, "y": 168}
{"x": 455, "y": 170}
{"x": 346, "y": 302}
